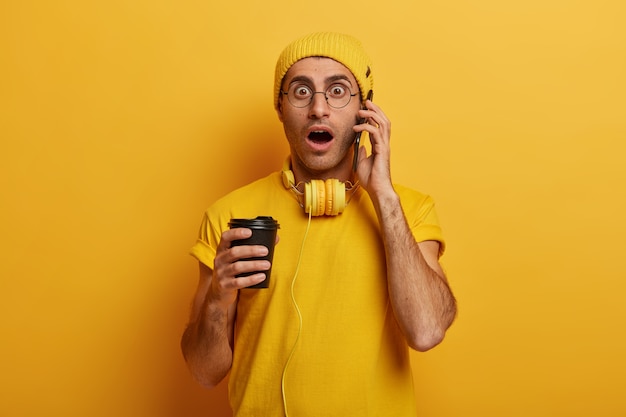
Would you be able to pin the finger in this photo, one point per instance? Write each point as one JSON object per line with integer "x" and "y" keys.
{"x": 362, "y": 154}
{"x": 227, "y": 254}
{"x": 233, "y": 234}
{"x": 370, "y": 105}
{"x": 372, "y": 122}
{"x": 243, "y": 282}
{"x": 376, "y": 114}
{"x": 248, "y": 267}
{"x": 239, "y": 273}
{"x": 247, "y": 273}
{"x": 236, "y": 283}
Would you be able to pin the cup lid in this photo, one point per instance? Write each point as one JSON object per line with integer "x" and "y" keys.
{"x": 260, "y": 222}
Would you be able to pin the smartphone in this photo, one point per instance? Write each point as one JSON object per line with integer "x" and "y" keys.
{"x": 357, "y": 139}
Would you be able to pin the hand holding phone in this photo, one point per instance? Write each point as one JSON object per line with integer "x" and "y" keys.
{"x": 357, "y": 139}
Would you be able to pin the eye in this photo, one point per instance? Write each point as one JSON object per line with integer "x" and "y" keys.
{"x": 337, "y": 91}
{"x": 301, "y": 91}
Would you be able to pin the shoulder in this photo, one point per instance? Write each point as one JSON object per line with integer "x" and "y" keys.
{"x": 260, "y": 197}
{"x": 419, "y": 210}
{"x": 413, "y": 199}
{"x": 255, "y": 189}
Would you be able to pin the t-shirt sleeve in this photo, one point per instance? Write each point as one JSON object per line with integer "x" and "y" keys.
{"x": 205, "y": 248}
{"x": 422, "y": 218}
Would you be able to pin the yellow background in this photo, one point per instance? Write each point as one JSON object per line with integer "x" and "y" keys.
{"x": 122, "y": 120}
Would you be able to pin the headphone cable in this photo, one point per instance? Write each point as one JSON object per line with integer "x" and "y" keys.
{"x": 295, "y": 304}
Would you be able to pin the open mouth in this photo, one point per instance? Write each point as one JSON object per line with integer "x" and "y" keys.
{"x": 320, "y": 136}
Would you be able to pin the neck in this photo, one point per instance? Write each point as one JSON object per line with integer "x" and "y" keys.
{"x": 342, "y": 172}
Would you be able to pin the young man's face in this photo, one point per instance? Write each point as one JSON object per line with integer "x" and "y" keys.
{"x": 320, "y": 136}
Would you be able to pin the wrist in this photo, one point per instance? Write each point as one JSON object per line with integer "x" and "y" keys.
{"x": 386, "y": 201}
{"x": 217, "y": 303}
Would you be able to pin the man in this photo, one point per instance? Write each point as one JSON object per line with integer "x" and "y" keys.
{"x": 355, "y": 280}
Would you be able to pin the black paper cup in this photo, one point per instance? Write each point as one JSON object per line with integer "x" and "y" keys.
{"x": 264, "y": 229}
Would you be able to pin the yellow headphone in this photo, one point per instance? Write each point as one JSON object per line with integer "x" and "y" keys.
{"x": 320, "y": 197}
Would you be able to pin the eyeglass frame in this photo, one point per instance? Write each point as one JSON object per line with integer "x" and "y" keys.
{"x": 313, "y": 93}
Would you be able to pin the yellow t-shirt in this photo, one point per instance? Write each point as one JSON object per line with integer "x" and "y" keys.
{"x": 350, "y": 358}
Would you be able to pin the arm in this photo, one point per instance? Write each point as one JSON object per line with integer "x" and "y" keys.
{"x": 420, "y": 296}
{"x": 422, "y": 301}
{"x": 208, "y": 340}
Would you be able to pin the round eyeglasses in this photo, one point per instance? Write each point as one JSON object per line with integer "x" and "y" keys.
{"x": 337, "y": 95}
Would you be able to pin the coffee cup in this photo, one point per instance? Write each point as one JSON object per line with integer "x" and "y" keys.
{"x": 264, "y": 229}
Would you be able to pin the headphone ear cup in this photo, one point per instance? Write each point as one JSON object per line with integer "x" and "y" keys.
{"x": 319, "y": 201}
{"x": 335, "y": 197}
{"x": 315, "y": 197}
{"x": 288, "y": 179}
{"x": 323, "y": 197}
{"x": 307, "y": 197}
{"x": 330, "y": 197}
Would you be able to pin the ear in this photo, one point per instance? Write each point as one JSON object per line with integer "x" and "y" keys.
{"x": 279, "y": 109}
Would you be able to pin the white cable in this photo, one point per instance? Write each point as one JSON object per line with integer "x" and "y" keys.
{"x": 295, "y": 304}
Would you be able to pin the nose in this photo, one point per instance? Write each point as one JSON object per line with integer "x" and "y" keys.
{"x": 319, "y": 107}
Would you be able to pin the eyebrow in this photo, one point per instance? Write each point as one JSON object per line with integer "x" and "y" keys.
{"x": 328, "y": 80}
